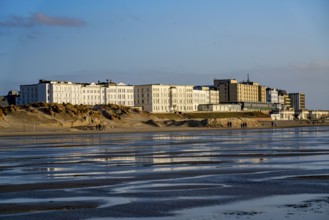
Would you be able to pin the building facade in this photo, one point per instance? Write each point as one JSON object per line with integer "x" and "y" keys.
{"x": 318, "y": 114}
{"x": 159, "y": 98}
{"x": 261, "y": 94}
{"x": 284, "y": 99}
{"x": 297, "y": 101}
{"x": 272, "y": 95}
{"x": 77, "y": 93}
{"x": 200, "y": 97}
{"x": 204, "y": 95}
{"x": 220, "y": 107}
{"x": 232, "y": 91}
{"x": 283, "y": 115}
{"x": 213, "y": 93}
{"x": 257, "y": 106}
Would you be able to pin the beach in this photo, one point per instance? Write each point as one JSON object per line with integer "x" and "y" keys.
{"x": 52, "y": 119}
{"x": 272, "y": 173}
{"x": 35, "y": 128}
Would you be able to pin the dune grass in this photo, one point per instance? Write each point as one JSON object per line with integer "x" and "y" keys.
{"x": 174, "y": 116}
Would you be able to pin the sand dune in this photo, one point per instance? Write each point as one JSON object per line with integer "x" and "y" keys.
{"x": 64, "y": 118}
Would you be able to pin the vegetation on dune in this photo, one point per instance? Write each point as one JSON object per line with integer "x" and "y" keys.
{"x": 202, "y": 115}
{"x": 2, "y": 114}
{"x": 169, "y": 116}
{"x": 109, "y": 111}
{"x": 227, "y": 115}
{"x": 81, "y": 116}
{"x": 9, "y": 109}
{"x": 66, "y": 114}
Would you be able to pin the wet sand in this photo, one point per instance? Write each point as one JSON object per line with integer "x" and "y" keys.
{"x": 213, "y": 174}
{"x": 49, "y": 130}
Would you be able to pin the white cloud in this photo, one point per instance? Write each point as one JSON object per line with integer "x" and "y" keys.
{"x": 41, "y": 19}
{"x": 314, "y": 66}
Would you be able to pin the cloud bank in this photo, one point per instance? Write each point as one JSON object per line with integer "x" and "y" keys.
{"x": 41, "y": 19}
{"x": 317, "y": 65}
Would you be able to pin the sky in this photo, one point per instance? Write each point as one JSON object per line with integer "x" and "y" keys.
{"x": 281, "y": 44}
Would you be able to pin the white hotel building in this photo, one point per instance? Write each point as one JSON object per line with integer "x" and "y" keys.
{"x": 77, "y": 93}
{"x": 159, "y": 98}
{"x": 155, "y": 98}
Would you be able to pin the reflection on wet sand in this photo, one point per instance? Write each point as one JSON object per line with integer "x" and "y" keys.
{"x": 166, "y": 175}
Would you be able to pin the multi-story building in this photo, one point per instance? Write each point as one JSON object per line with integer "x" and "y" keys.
{"x": 224, "y": 87}
{"x": 204, "y": 95}
{"x": 212, "y": 93}
{"x": 200, "y": 97}
{"x": 287, "y": 101}
{"x": 214, "y": 96}
{"x": 159, "y": 98}
{"x": 284, "y": 99}
{"x": 297, "y": 101}
{"x": 272, "y": 95}
{"x": 281, "y": 100}
{"x": 77, "y": 93}
{"x": 232, "y": 91}
{"x": 261, "y": 94}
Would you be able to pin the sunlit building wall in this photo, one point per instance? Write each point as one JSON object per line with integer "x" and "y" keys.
{"x": 272, "y": 95}
{"x": 200, "y": 97}
{"x": 232, "y": 91}
{"x": 77, "y": 93}
{"x": 159, "y": 98}
{"x": 212, "y": 94}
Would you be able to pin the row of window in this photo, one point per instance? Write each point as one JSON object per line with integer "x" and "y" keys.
{"x": 66, "y": 89}
{"x": 66, "y": 95}
{"x": 167, "y": 109}
{"x": 93, "y": 102}
{"x": 163, "y": 90}
{"x": 162, "y": 95}
{"x": 70, "y": 89}
{"x": 29, "y": 96}
{"x": 29, "y": 89}
{"x": 122, "y": 90}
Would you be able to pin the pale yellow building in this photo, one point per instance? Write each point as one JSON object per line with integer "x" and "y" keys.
{"x": 232, "y": 91}
{"x": 261, "y": 93}
{"x": 287, "y": 100}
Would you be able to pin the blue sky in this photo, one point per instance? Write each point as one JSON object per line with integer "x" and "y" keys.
{"x": 281, "y": 44}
